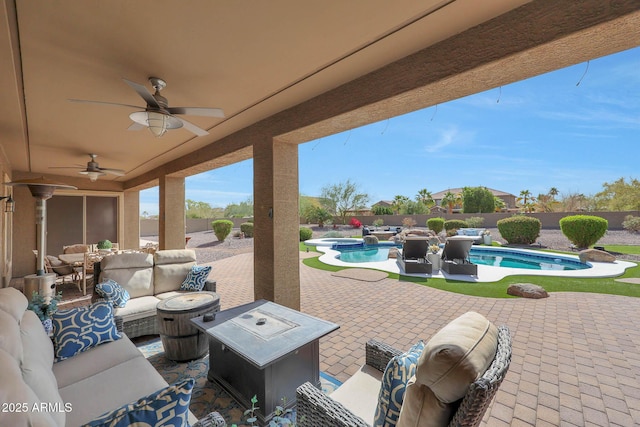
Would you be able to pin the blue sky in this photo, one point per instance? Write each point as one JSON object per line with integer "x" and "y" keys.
{"x": 531, "y": 135}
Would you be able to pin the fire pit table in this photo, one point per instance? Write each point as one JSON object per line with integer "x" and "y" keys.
{"x": 264, "y": 349}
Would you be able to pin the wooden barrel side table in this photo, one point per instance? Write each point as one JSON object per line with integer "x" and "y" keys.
{"x": 180, "y": 339}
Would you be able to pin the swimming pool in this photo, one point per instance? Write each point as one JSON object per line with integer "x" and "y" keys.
{"x": 511, "y": 258}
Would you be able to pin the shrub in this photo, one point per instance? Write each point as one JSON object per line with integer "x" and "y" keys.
{"x": 305, "y": 233}
{"x": 454, "y": 224}
{"x": 355, "y": 223}
{"x": 451, "y": 232}
{"x": 378, "y": 222}
{"x": 382, "y": 210}
{"x": 631, "y": 223}
{"x": 408, "y": 222}
{"x": 475, "y": 221}
{"x": 520, "y": 229}
{"x": 583, "y": 230}
{"x": 247, "y": 229}
{"x": 435, "y": 224}
{"x": 105, "y": 244}
{"x": 222, "y": 228}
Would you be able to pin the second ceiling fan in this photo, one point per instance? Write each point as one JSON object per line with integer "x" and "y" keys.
{"x": 157, "y": 115}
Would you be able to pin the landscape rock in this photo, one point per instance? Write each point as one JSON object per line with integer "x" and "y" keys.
{"x": 370, "y": 240}
{"x": 393, "y": 252}
{"x": 596, "y": 255}
{"x": 527, "y": 290}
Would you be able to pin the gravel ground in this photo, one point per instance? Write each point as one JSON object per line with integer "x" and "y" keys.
{"x": 209, "y": 249}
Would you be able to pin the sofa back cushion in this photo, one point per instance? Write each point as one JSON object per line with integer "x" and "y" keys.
{"x": 13, "y": 302}
{"x": 171, "y": 267}
{"x": 132, "y": 271}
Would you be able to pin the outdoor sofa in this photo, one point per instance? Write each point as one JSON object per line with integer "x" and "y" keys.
{"x": 148, "y": 278}
{"x": 39, "y": 392}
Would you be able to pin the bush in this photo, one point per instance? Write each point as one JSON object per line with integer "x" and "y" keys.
{"x": 222, "y": 228}
{"x": 583, "y": 230}
{"x": 631, "y": 223}
{"x": 520, "y": 229}
{"x": 382, "y": 210}
{"x": 105, "y": 244}
{"x": 355, "y": 223}
{"x": 305, "y": 233}
{"x": 435, "y": 224}
{"x": 247, "y": 229}
{"x": 475, "y": 221}
{"x": 454, "y": 224}
{"x": 408, "y": 222}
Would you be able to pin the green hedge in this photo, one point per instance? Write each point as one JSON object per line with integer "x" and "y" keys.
{"x": 435, "y": 224}
{"x": 454, "y": 224}
{"x": 305, "y": 233}
{"x": 247, "y": 229}
{"x": 519, "y": 229}
{"x": 222, "y": 228}
{"x": 583, "y": 230}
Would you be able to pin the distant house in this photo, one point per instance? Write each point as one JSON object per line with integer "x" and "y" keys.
{"x": 384, "y": 203}
{"x": 508, "y": 198}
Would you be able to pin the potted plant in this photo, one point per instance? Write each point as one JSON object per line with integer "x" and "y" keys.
{"x": 433, "y": 256}
{"x": 43, "y": 309}
{"x": 104, "y": 246}
{"x": 486, "y": 237}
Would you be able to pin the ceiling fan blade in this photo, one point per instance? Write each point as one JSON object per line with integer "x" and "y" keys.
{"x": 192, "y": 128}
{"x": 197, "y": 111}
{"x": 136, "y": 126}
{"x": 107, "y": 103}
{"x": 118, "y": 172}
{"x": 144, "y": 93}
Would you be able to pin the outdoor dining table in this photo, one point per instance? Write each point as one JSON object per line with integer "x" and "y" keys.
{"x": 77, "y": 261}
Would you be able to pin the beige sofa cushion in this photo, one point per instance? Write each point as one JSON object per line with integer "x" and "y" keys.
{"x": 171, "y": 268}
{"x": 359, "y": 394}
{"x": 110, "y": 389}
{"x": 13, "y": 302}
{"x": 10, "y": 340}
{"x": 132, "y": 271}
{"x": 89, "y": 363}
{"x": 452, "y": 359}
{"x": 138, "y": 308}
{"x": 14, "y": 390}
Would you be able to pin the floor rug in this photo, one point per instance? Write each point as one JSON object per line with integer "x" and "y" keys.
{"x": 206, "y": 396}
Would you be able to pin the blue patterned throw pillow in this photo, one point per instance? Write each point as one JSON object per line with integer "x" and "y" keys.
{"x": 79, "y": 329}
{"x": 394, "y": 383}
{"x": 166, "y": 407}
{"x": 112, "y": 291}
{"x": 196, "y": 278}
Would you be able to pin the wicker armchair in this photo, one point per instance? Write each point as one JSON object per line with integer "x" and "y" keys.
{"x": 315, "y": 409}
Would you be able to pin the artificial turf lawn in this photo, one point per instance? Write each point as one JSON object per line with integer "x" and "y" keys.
{"x": 498, "y": 289}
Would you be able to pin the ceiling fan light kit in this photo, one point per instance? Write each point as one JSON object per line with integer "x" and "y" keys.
{"x": 93, "y": 169}
{"x": 157, "y": 115}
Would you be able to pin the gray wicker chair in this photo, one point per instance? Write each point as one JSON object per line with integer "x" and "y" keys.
{"x": 315, "y": 409}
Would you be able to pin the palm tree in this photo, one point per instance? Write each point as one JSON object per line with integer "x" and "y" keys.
{"x": 398, "y": 202}
{"x": 424, "y": 196}
{"x": 553, "y": 192}
{"x": 451, "y": 199}
{"x": 527, "y": 200}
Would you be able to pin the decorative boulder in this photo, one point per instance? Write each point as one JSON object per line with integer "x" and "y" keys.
{"x": 527, "y": 290}
{"x": 370, "y": 240}
{"x": 393, "y": 252}
{"x": 596, "y": 255}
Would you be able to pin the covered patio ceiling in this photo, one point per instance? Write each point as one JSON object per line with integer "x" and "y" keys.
{"x": 320, "y": 66}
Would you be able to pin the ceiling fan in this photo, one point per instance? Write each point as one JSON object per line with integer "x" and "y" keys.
{"x": 157, "y": 115}
{"x": 93, "y": 169}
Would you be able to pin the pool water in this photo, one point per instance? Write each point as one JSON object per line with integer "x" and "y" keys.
{"x": 492, "y": 257}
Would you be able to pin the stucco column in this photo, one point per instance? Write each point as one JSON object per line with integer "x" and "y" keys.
{"x": 276, "y": 223}
{"x": 131, "y": 220}
{"x": 171, "y": 221}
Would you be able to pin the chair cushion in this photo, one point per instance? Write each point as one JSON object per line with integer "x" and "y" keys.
{"x": 168, "y": 407}
{"x": 79, "y": 329}
{"x": 421, "y": 408}
{"x": 196, "y": 278}
{"x": 457, "y": 355}
{"x": 112, "y": 291}
{"x": 394, "y": 381}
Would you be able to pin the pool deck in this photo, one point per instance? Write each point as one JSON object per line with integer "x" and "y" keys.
{"x": 486, "y": 273}
{"x": 576, "y": 356}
